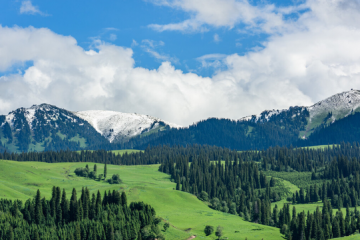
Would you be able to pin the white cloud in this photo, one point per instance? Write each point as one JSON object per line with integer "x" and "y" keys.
{"x": 212, "y": 60}
{"x": 27, "y": 8}
{"x": 216, "y": 38}
{"x": 134, "y": 43}
{"x": 226, "y": 13}
{"x": 320, "y": 57}
{"x": 112, "y": 37}
{"x": 149, "y": 47}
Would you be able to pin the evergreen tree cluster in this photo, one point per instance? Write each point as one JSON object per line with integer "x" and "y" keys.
{"x": 232, "y": 186}
{"x": 335, "y": 159}
{"x": 319, "y": 225}
{"x": 89, "y": 217}
{"x": 343, "y": 130}
{"x": 278, "y": 130}
{"x": 341, "y": 192}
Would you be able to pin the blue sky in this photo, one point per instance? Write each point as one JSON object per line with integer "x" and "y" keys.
{"x": 126, "y": 22}
{"x": 179, "y": 60}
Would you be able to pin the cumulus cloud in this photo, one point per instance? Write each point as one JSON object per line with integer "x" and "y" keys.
{"x": 226, "y": 13}
{"x": 27, "y": 8}
{"x": 320, "y": 57}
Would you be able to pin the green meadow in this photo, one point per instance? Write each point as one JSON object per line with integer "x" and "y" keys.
{"x": 186, "y": 214}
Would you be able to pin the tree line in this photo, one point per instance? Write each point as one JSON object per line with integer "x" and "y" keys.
{"x": 320, "y": 225}
{"x": 88, "y": 217}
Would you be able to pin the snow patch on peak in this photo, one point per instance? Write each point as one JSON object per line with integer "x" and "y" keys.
{"x": 263, "y": 117}
{"x": 341, "y": 104}
{"x": 114, "y": 125}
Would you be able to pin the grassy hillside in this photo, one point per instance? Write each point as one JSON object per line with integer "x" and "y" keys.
{"x": 186, "y": 214}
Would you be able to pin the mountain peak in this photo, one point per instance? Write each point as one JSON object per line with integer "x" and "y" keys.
{"x": 119, "y": 126}
{"x": 340, "y": 105}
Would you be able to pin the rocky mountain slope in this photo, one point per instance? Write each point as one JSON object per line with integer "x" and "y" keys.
{"x": 43, "y": 127}
{"x": 323, "y": 112}
{"x": 47, "y": 127}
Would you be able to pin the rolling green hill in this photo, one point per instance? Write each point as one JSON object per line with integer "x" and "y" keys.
{"x": 187, "y": 215}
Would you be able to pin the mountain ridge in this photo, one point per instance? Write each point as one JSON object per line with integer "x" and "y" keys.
{"x": 122, "y": 126}
{"x": 46, "y": 127}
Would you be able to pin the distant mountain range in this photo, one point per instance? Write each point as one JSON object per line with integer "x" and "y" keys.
{"x": 47, "y": 127}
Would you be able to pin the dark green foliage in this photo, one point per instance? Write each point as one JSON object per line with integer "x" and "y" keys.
{"x": 166, "y": 226}
{"x": 112, "y": 221}
{"x": 318, "y": 225}
{"x": 343, "y": 130}
{"x": 208, "y": 230}
{"x": 115, "y": 179}
{"x": 7, "y": 132}
{"x": 123, "y": 198}
{"x": 85, "y": 172}
{"x": 219, "y": 231}
{"x": 232, "y": 186}
{"x": 282, "y": 129}
{"x": 203, "y": 196}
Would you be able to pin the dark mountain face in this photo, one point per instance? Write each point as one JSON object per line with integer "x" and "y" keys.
{"x": 46, "y": 127}
{"x": 278, "y": 130}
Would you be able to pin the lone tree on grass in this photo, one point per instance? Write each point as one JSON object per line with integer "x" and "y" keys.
{"x": 166, "y": 226}
{"x": 219, "y": 232}
{"x": 208, "y": 230}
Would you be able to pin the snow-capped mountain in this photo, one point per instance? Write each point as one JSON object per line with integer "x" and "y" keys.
{"x": 45, "y": 126}
{"x": 339, "y": 105}
{"x": 39, "y": 116}
{"x": 118, "y": 126}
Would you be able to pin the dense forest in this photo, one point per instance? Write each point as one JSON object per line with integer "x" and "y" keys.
{"x": 278, "y": 130}
{"x": 88, "y": 217}
{"x": 346, "y": 129}
{"x": 319, "y": 225}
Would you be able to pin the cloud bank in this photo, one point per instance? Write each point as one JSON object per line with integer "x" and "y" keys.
{"x": 226, "y": 13}
{"x": 318, "y": 58}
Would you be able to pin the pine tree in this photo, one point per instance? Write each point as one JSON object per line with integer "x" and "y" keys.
{"x": 77, "y": 232}
{"x": 10, "y": 233}
{"x": 38, "y": 208}
{"x": 105, "y": 171}
{"x": 177, "y": 182}
{"x": 73, "y": 207}
{"x": 123, "y": 199}
{"x": 36, "y": 235}
{"x": 335, "y": 228}
{"x": 110, "y": 232}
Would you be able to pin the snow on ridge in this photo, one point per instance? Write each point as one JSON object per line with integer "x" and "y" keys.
{"x": 341, "y": 102}
{"x": 263, "y": 116}
{"x": 113, "y": 124}
{"x": 51, "y": 113}
{"x": 337, "y": 104}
